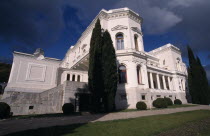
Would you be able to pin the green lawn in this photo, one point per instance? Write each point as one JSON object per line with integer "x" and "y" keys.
{"x": 142, "y": 126}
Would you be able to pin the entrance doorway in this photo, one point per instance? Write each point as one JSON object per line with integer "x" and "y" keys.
{"x": 84, "y": 102}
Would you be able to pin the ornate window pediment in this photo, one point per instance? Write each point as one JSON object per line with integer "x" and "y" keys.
{"x": 135, "y": 29}
{"x": 84, "y": 45}
{"x": 119, "y": 27}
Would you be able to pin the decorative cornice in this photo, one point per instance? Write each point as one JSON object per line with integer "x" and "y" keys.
{"x": 165, "y": 48}
{"x": 119, "y": 27}
{"x": 138, "y": 60}
{"x": 41, "y": 58}
{"x": 136, "y": 29}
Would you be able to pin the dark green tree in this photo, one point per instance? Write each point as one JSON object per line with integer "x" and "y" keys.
{"x": 110, "y": 77}
{"x": 191, "y": 76}
{"x": 203, "y": 83}
{"x": 4, "y": 72}
{"x": 95, "y": 77}
{"x": 197, "y": 80}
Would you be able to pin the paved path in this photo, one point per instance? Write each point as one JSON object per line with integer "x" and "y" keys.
{"x": 10, "y": 126}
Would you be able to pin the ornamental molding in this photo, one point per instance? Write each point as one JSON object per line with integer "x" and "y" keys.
{"x": 138, "y": 61}
{"x": 136, "y": 29}
{"x": 119, "y": 27}
{"x": 32, "y": 57}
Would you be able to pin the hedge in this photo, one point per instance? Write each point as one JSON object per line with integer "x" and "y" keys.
{"x": 4, "y": 110}
{"x": 160, "y": 103}
{"x": 68, "y": 108}
{"x": 141, "y": 105}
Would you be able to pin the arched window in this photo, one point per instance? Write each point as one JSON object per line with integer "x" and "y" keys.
{"x": 73, "y": 78}
{"x": 122, "y": 74}
{"x": 178, "y": 64}
{"x": 139, "y": 74}
{"x": 78, "y": 78}
{"x": 120, "y": 41}
{"x": 136, "y": 42}
{"x": 68, "y": 77}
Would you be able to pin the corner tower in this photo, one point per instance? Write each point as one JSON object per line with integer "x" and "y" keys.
{"x": 124, "y": 26}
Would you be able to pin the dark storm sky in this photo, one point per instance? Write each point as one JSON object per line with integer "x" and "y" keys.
{"x": 55, "y": 25}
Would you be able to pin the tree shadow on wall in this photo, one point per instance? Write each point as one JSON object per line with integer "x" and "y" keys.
{"x": 122, "y": 97}
{"x": 60, "y": 125}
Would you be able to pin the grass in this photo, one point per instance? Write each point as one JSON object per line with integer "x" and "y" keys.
{"x": 205, "y": 132}
{"x": 142, "y": 126}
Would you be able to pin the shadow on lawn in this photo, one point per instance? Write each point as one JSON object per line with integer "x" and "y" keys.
{"x": 60, "y": 127}
{"x": 49, "y": 131}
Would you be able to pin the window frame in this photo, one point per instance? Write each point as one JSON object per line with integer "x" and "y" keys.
{"x": 136, "y": 42}
{"x": 120, "y": 44}
{"x": 122, "y": 77}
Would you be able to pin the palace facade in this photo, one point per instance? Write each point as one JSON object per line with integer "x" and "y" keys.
{"x": 39, "y": 84}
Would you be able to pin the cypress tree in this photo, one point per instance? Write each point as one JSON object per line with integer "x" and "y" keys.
{"x": 197, "y": 80}
{"x": 191, "y": 75}
{"x": 203, "y": 83}
{"x": 110, "y": 77}
{"x": 95, "y": 78}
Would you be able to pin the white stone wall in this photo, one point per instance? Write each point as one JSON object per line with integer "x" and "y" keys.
{"x": 32, "y": 74}
{"x": 80, "y": 76}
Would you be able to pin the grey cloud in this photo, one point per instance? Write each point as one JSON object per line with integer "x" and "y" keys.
{"x": 186, "y": 17}
{"x": 157, "y": 19}
{"x": 31, "y": 23}
{"x": 195, "y": 25}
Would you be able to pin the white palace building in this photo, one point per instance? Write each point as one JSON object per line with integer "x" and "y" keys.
{"x": 39, "y": 84}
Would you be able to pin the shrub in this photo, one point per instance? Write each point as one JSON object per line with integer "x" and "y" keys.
{"x": 4, "y": 110}
{"x": 160, "y": 103}
{"x": 178, "y": 102}
{"x": 168, "y": 101}
{"x": 141, "y": 106}
{"x": 68, "y": 108}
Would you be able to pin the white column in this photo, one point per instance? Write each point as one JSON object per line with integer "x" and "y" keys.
{"x": 184, "y": 84}
{"x": 132, "y": 74}
{"x": 158, "y": 81}
{"x": 70, "y": 77}
{"x": 172, "y": 84}
{"x": 164, "y": 82}
{"x": 144, "y": 76}
{"x": 75, "y": 78}
{"x": 169, "y": 83}
{"x": 151, "y": 80}
{"x": 180, "y": 81}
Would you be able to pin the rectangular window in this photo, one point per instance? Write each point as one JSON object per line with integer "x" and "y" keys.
{"x": 158, "y": 96}
{"x": 143, "y": 97}
{"x": 31, "y": 107}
